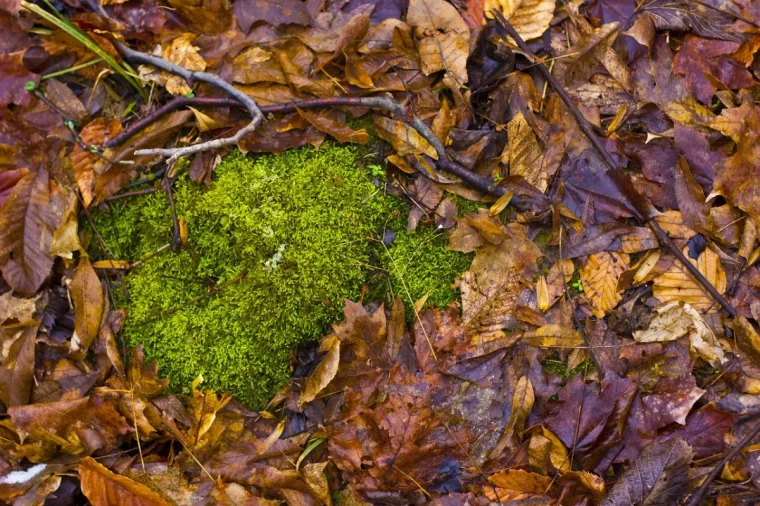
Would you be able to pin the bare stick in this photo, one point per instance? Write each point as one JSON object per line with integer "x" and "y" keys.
{"x": 190, "y": 76}
{"x": 642, "y": 208}
{"x": 700, "y": 493}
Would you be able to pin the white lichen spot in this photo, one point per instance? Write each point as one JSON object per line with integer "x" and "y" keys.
{"x": 17, "y": 477}
{"x": 272, "y": 262}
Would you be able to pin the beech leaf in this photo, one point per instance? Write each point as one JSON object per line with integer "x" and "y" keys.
{"x": 104, "y": 488}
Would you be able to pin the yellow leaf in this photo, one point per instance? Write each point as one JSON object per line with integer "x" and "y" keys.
{"x": 530, "y": 18}
{"x": 111, "y": 264}
{"x": 205, "y": 122}
{"x": 553, "y": 336}
{"x": 404, "y": 139}
{"x": 500, "y": 204}
{"x": 88, "y": 299}
{"x": 677, "y": 284}
{"x": 600, "y": 274}
{"x": 545, "y": 448}
{"x": 542, "y": 294}
{"x": 525, "y": 154}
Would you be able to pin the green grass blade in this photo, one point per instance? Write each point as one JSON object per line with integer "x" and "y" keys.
{"x": 67, "y": 26}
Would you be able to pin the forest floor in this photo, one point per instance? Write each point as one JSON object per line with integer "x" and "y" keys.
{"x": 389, "y": 252}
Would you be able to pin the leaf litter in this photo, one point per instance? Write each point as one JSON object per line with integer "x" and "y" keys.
{"x": 653, "y": 393}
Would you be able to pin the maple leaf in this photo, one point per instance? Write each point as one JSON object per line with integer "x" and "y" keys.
{"x": 442, "y": 37}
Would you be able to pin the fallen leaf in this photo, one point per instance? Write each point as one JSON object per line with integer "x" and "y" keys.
{"x": 324, "y": 372}
{"x": 530, "y": 18}
{"x": 404, "y": 139}
{"x": 657, "y": 477}
{"x": 524, "y": 154}
{"x": 89, "y": 302}
{"x": 676, "y": 319}
{"x": 677, "y": 284}
{"x": 104, "y": 488}
{"x": 442, "y": 37}
{"x": 600, "y": 274}
{"x": 553, "y": 336}
{"x": 17, "y": 367}
{"x": 27, "y": 224}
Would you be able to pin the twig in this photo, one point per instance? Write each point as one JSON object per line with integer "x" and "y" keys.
{"x": 126, "y": 195}
{"x": 176, "y": 240}
{"x": 190, "y": 76}
{"x": 387, "y": 103}
{"x": 639, "y": 204}
{"x": 700, "y": 494}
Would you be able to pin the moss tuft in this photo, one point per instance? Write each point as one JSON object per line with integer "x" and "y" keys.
{"x": 275, "y": 244}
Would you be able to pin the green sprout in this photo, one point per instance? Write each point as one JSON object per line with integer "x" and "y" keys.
{"x": 377, "y": 171}
{"x": 578, "y": 285}
{"x": 30, "y": 86}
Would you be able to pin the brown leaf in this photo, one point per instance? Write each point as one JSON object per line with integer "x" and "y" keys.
{"x": 275, "y": 12}
{"x": 600, "y": 274}
{"x": 17, "y": 368}
{"x": 677, "y": 284}
{"x": 515, "y": 484}
{"x": 690, "y": 197}
{"x": 16, "y": 311}
{"x": 685, "y": 16}
{"x": 553, "y": 336}
{"x": 104, "y": 488}
{"x": 88, "y": 299}
{"x": 87, "y": 166}
{"x": 442, "y": 37}
{"x": 14, "y": 77}
{"x": 27, "y": 224}
{"x": 179, "y": 51}
{"x": 657, "y": 477}
{"x": 324, "y": 372}
{"x": 334, "y": 123}
{"x": 404, "y": 139}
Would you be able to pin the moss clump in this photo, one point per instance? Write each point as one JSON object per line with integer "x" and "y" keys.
{"x": 419, "y": 264}
{"x": 275, "y": 244}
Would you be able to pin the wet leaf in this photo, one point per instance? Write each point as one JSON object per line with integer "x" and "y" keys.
{"x": 553, "y": 336}
{"x": 325, "y": 370}
{"x": 525, "y": 156}
{"x": 17, "y": 368}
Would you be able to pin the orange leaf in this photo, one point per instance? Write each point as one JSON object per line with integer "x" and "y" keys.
{"x": 104, "y": 488}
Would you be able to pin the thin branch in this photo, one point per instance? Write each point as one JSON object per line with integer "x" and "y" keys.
{"x": 127, "y": 195}
{"x": 700, "y": 493}
{"x": 190, "y": 76}
{"x": 639, "y": 204}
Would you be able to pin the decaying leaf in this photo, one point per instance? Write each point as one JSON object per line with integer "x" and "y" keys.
{"x": 657, "y": 478}
{"x": 404, "y": 139}
{"x": 87, "y": 295}
{"x": 677, "y": 319}
{"x": 524, "y": 153}
{"x": 553, "y": 336}
{"x": 325, "y": 371}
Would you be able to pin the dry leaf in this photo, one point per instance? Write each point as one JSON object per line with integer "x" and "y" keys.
{"x": 88, "y": 299}
{"x": 529, "y": 18}
{"x": 674, "y": 320}
{"x": 553, "y": 336}
{"x": 600, "y": 274}
{"x": 404, "y": 139}
{"x": 325, "y": 371}
{"x": 104, "y": 488}
{"x": 525, "y": 154}
{"x": 676, "y": 284}
{"x": 442, "y": 37}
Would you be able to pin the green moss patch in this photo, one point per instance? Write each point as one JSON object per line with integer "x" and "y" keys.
{"x": 274, "y": 246}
